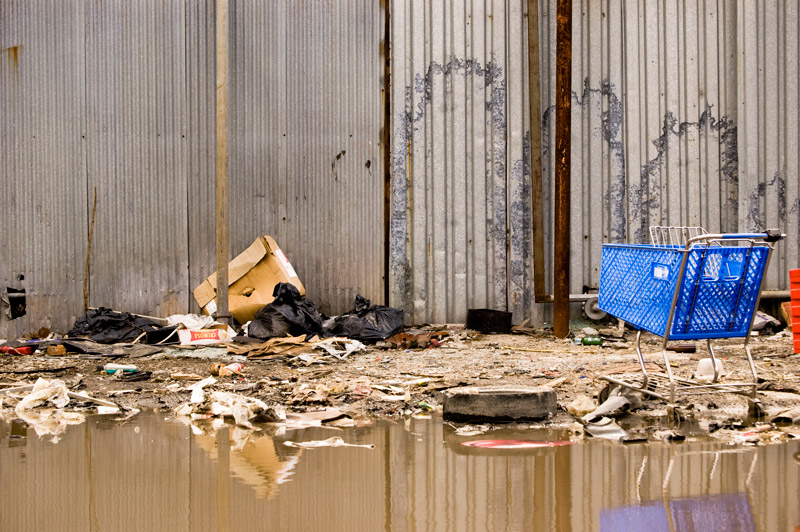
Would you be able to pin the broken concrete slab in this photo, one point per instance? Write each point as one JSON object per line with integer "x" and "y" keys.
{"x": 499, "y": 403}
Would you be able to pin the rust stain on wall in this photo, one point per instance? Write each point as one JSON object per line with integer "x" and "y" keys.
{"x": 13, "y": 55}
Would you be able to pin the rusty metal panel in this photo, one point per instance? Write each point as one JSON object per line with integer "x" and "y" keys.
{"x": 769, "y": 125}
{"x": 460, "y": 179}
{"x": 135, "y": 133}
{"x": 306, "y": 145}
{"x": 43, "y": 194}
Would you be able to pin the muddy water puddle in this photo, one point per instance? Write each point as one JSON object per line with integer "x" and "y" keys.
{"x": 154, "y": 473}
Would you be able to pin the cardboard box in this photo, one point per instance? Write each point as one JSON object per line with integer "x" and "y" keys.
{"x": 252, "y": 276}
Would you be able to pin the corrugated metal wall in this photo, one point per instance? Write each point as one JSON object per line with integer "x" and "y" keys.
{"x": 460, "y": 223}
{"x": 653, "y": 121}
{"x": 136, "y": 154}
{"x": 306, "y": 141}
{"x": 683, "y": 113}
{"x": 653, "y": 141}
{"x": 119, "y": 97}
{"x": 43, "y": 158}
{"x": 769, "y": 126}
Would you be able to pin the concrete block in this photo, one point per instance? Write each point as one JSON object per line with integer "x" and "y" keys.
{"x": 499, "y": 403}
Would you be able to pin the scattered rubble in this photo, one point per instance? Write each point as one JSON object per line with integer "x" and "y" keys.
{"x": 406, "y": 374}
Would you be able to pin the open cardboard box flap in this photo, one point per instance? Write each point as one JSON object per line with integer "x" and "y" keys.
{"x": 252, "y": 276}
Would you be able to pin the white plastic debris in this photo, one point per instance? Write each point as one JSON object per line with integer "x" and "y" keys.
{"x": 762, "y": 320}
{"x": 244, "y": 409}
{"x": 340, "y": 347}
{"x": 217, "y": 405}
{"x": 472, "y": 430}
{"x": 44, "y": 391}
{"x": 191, "y": 321}
{"x": 336, "y": 441}
{"x": 705, "y": 370}
{"x": 198, "y": 395}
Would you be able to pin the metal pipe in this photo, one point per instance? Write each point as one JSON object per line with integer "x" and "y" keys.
{"x": 776, "y": 294}
{"x": 561, "y": 255}
{"x": 223, "y": 247}
{"x": 540, "y": 294}
{"x": 387, "y": 152}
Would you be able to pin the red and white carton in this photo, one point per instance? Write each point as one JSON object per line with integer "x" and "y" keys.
{"x": 203, "y": 336}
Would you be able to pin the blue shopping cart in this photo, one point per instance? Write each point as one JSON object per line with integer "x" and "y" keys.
{"x": 686, "y": 284}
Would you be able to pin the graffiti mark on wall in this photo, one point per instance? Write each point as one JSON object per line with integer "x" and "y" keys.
{"x": 632, "y": 207}
{"x": 429, "y": 93}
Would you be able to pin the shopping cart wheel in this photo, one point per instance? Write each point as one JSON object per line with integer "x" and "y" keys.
{"x": 592, "y": 310}
{"x": 603, "y": 394}
{"x": 676, "y": 414}
{"x": 755, "y": 409}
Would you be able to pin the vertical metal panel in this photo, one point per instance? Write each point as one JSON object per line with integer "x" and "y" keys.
{"x": 136, "y": 126}
{"x": 769, "y": 89}
{"x": 460, "y": 200}
{"x": 42, "y": 160}
{"x": 306, "y": 147}
{"x": 121, "y": 97}
{"x": 655, "y": 139}
{"x": 654, "y": 122}
{"x": 200, "y": 141}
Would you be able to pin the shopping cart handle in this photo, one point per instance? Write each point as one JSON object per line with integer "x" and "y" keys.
{"x": 773, "y": 235}
{"x": 770, "y": 235}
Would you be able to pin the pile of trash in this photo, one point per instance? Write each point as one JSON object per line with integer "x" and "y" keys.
{"x": 265, "y": 297}
{"x": 292, "y": 314}
{"x": 243, "y": 410}
{"x": 42, "y": 406}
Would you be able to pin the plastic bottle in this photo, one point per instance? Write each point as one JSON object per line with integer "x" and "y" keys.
{"x": 113, "y": 368}
{"x": 592, "y": 340}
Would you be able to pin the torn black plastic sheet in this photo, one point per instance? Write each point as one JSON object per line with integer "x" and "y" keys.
{"x": 367, "y": 323}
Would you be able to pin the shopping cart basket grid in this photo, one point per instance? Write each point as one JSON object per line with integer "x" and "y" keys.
{"x": 687, "y": 284}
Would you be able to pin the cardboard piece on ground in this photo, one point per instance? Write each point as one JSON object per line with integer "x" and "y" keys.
{"x": 274, "y": 347}
{"x": 786, "y": 313}
{"x": 252, "y": 276}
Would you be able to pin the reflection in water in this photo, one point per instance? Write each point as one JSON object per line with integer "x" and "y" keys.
{"x": 252, "y": 457}
{"x": 713, "y": 513}
{"x": 148, "y": 473}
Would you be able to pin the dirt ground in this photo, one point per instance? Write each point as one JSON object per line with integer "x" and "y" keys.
{"x": 395, "y": 382}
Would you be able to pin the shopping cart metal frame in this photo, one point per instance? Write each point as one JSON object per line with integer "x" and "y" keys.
{"x": 688, "y": 240}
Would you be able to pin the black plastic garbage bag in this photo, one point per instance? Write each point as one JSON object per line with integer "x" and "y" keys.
{"x": 290, "y": 314}
{"x": 366, "y": 322}
{"x": 107, "y": 326}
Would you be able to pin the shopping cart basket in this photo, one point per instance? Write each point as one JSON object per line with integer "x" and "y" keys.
{"x": 686, "y": 284}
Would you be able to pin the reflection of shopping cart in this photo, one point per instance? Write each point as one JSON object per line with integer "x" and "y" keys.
{"x": 709, "y": 512}
{"x": 686, "y": 285}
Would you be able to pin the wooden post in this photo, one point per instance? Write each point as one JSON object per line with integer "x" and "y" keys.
{"x": 540, "y": 294}
{"x": 223, "y": 247}
{"x": 561, "y": 254}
